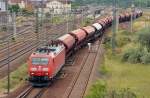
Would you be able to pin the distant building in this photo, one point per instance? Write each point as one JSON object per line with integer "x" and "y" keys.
{"x": 2, "y": 6}
{"x": 58, "y": 6}
{"x": 53, "y": 6}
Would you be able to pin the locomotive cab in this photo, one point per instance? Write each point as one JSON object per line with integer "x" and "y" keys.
{"x": 44, "y": 63}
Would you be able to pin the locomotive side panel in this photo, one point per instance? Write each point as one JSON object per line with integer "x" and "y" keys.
{"x": 59, "y": 61}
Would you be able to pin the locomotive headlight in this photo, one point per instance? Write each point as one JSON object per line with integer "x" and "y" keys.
{"x": 33, "y": 69}
{"x": 45, "y": 69}
{"x": 46, "y": 73}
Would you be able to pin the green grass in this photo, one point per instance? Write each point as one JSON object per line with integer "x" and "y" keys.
{"x": 61, "y": 19}
{"x": 16, "y": 78}
{"x": 126, "y": 75}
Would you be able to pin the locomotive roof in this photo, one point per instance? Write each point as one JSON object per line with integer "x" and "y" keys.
{"x": 54, "y": 49}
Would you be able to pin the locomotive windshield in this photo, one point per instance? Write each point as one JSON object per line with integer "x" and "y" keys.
{"x": 40, "y": 61}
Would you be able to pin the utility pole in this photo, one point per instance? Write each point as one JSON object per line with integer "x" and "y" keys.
{"x": 8, "y": 67}
{"x": 148, "y": 23}
{"x": 67, "y": 28}
{"x": 37, "y": 23}
{"x": 42, "y": 18}
{"x": 14, "y": 25}
{"x": 73, "y": 14}
{"x": 117, "y": 20}
{"x": 94, "y": 15}
{"x": 82, "y": 16}
{"x": 132, "y": 17}
{"x": 114, "y": 27}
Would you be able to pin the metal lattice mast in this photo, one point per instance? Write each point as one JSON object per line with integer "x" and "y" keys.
{"x": 14, "y": 25}
{"x": 114, "y": 27}
{"x": 42, "y": 20}
{"x": 132, "y": 17}
{"x": 37, "y": 23}
{"x": 66, "y": 8}
{"x": 8, "y": 68}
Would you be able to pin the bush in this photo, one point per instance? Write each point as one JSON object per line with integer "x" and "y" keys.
{"x": 146, "y": 58}
{"x": 98, "y": 90}
{"x": 133, "y": 55}
{"x": 127, "y": 54}
{"x": 143, "y": 38}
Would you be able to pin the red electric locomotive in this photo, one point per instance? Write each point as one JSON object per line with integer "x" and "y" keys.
{"x": 45, "y": 63}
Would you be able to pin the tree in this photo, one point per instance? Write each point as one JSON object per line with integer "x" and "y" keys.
{"x": 121, "y": 3}
{"x": 14, "y": 8}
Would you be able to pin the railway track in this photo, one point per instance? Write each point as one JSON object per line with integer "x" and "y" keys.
{"x": 16, "y": 54}
{"x": 18, "y": 33}
{"x": 16, "y": 50}
{"x": 79, "y": 84}
{"x": 32, "y": 92}
{"x": 25, "y": 93}
{"x": 19, "y": 53}
{"x": 4, "y": 42}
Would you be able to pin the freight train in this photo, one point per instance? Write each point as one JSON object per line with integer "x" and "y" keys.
{"x": 46, "y": 62}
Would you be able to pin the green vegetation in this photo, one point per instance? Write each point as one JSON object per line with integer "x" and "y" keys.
{"x": 16, "y": 78}
{"x": 126, "y": 74}
{"x": 121, "y": 3}
{"x": 143, "y": 38}
{"x": 57, "y": 20}
{"x": 140, "y": 52}
{"x": 14, "y": 8}
{"x": 98, "y": 90}
{"x": 3, "y": 28}
{"x": 103, "y": 69}
{"x": 87, "y": 21}
{"x": 60, "y": 19}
